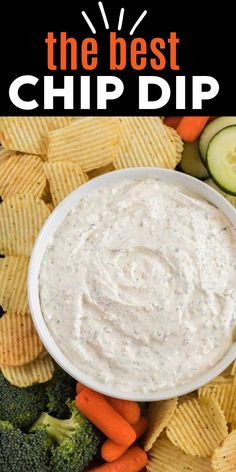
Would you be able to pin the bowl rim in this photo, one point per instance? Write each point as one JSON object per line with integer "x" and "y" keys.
{"x": 53, "y": 221}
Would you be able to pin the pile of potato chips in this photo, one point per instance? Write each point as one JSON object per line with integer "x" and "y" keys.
{"x": 42, "y": 159}
{"x": 196, "y": 432}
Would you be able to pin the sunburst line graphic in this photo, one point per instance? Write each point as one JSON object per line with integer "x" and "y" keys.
{"x": 121, "y": 17}
{"x": 141, "y": 17}
{"x": 106, "y": 23}
{"x": 103, "y": 13}
{"x": 88, "y": 21}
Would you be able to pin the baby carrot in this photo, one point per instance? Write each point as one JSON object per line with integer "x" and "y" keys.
{"x": 172, "y": 121}
{"x": 132, "y": 460}
{"x": 190, "y": 127}
{"x": 79, "y": 387}
{"x": 95, "y": 407}
{"x": 111, "y": 451}
{"x": 128, "y": 409}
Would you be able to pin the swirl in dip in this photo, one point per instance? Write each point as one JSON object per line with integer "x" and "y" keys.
{"x": 138, "y": 285}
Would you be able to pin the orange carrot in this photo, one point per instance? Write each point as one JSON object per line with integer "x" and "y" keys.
{"x": 128, "y": 409}
{"x": 79, "y": 387}
{"x": 190, "y": 127}
{"x": 132, "y": 460}
{"x": 172, "y": 121}
{"x": 95, "y": 407}
{"x": 111, "y": 451}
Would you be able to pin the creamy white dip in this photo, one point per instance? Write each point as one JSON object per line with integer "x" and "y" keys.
{"x": 138, "y": 285}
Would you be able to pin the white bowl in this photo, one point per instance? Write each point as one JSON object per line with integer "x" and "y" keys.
{"x": 52, "y": 223}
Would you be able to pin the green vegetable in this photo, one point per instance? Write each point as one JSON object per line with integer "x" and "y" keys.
{"x": 76, "y": 438}
{"x": 231, "y": 199}
{"x": 21, "y": 406}
{"x": 210, "y": 130}
{"x": 191, "y": 163}
{"x": 21, "y": 452}
{"x": 221, "y": 159}
{"x": 59, "y": 390}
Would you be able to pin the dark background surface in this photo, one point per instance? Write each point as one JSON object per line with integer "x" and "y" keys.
{"x": 207, "y": 47}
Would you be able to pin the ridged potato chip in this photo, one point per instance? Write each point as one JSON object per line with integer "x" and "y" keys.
{"x": 233, "y": 370}
{"x": 63, "y": 178}
{"x": 227, "y": 371}
{"x": 38, "y": 371}
{"x": 29, "y": 134}
{"x": 165, "y": 457}
{"x": 178, "y": 143}
{"x": 22, "y": 174}
{"x": 220, "y": 379}
{"x": 89, "y": 141}
{"x": 146, "y": 142}
{"x": 186, "y": 398}
{"x": 102, "y": 170}
{"x": 21, "y": 218}
{"x": 159, "y": 415}
{"x": 198, "y": 427}
{"x": 224, "y": 457}
{"x": 19, "y": 341}
{"x": 43, "y": 157}
{"x": 43, "y": 353}
{"x": 225, "y": 394}
{"x": 5, "y": 155}
{"x": 46, "y": 195}
{"x": 13, "y": 283}
{"x": 50, "y": 206}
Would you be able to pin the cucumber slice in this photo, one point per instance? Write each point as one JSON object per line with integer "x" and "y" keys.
{"x": 191, "y": 163}
{"x": 210, "y": 130}
{"x": 230, "y": 198}
{"x": 221, "y": 159}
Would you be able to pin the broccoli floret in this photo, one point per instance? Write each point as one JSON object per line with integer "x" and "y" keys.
{"x": 4, "y": 425}
{"x": 22, "y": 452}
{"x": 59, "y": 390}
{"x": 76, "y": 438}
{"x": 21, "y": 406}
